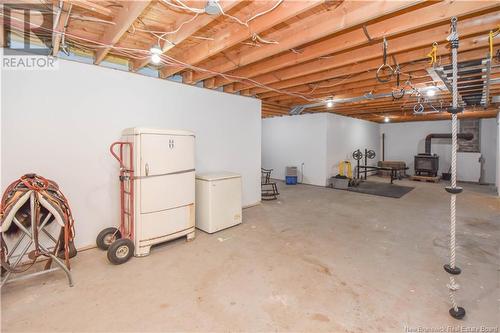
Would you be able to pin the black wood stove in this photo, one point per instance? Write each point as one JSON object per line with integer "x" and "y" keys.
{"x": 427, "y": 164}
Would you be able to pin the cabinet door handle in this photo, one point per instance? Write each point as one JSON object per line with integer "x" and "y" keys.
{"x": 146, "y": 167}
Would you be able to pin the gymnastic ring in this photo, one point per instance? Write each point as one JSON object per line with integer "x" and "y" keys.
{"x": 398, "y": 93}
{"x": 381, "y": 69}
{"x": 418, "y": 108}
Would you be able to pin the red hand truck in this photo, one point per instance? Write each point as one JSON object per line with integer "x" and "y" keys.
{"x": 119, "y": 242}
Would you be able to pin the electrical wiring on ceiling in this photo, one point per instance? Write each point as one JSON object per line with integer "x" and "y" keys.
{"x": 162, "y": 34}
{"x": 79, "y": 17}
{"x": 183, "y": 6}
{"x": 166, "y": 60}
{"x": 246, "y": 23}
{"x": 255, "y": 37}
{"x": 141, "y": 54}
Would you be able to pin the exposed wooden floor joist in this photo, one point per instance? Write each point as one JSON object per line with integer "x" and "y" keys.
{"x": 286, "y": 53}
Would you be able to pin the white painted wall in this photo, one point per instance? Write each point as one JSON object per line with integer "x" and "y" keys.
{"x": 404, "y": 140}
{"x": 498, "y": 155}
{"x": 345, "y": 135}
{"x": 489, "y": 150}
{"x": 320, "y": 141}
{"x": 293, "y": 140}
{"x": 60, "y": 124}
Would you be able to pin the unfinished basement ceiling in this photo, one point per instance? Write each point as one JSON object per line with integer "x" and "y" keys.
{"x": 290, "y": 53}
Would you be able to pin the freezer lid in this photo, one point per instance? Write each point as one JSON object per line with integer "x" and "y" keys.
{"x": 145, "y": 130}
{"x": 210, "y": 176}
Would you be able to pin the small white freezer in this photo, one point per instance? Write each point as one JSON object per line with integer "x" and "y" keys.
{"x": 218, "y": 201}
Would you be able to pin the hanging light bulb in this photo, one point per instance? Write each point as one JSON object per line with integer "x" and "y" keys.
{"x": 155, "y": 59}
{"x": 155, "y": 54}
{"x": 431, "y": 92}
{"x": 329, "y": 103}
{"x": 386, "y": 119}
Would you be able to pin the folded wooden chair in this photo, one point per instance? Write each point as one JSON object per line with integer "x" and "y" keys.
{"x": 269, "y": 188}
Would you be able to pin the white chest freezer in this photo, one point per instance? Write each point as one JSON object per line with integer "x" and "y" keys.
{"x": 218, "y": 201}
{"x": 164, "y": 185}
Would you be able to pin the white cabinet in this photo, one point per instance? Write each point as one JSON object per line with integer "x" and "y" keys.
{"x": 164, "y": 185}
{"x": 218, "y": 198}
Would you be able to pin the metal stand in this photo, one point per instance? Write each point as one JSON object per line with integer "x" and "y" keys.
{"x": 32, "y": 236}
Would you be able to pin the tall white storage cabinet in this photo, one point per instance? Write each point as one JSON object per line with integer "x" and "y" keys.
{"x": 164, "y": 186}
{"x": 218, "y": 201}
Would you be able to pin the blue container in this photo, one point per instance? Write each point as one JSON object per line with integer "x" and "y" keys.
{"x": 291, "y": 180}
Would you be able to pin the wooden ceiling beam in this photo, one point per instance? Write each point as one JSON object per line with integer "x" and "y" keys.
{"x": 366, "y": 71}
{"x": 395, "y": 26}
{"x": 466, "y": 44}
{"x": 399, "y": 47}
{"x": 228, "y": 88}
{"x": 384, "y": 106}
{"x": 346, "y": 15}
{"x": 186, "y": 31}
{"x": 362, "y": 86}
{"x": 245, "y": 92}
{"x": 92, "y": 7}
{"x": 59, "y": 27}
{"x": 227, "y": 38}
{"x": 187, "y": 77}
{"x": 414, "y": 69}
{"x": 126, "y": 16}
{"x": 437, "y": 116}
{"x": 209, "y": 83}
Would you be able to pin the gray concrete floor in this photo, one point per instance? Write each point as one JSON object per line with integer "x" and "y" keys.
{"x": 315, "y": 260}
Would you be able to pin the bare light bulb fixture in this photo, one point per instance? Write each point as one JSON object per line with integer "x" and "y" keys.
{"x": 431, "y": 92}
{"x": 329, "y": 103}
{"x": 155, "y": 54}
{"x": 386, "y": 119}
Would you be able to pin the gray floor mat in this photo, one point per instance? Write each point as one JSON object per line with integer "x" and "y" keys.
{"x": 381, "y": 189}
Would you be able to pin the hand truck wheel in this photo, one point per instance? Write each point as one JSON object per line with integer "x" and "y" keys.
{"x": 107, "y": 237}
{"x": 121, "y": 251}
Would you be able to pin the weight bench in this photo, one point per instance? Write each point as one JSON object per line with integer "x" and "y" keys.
{"x": 395, "y": 172}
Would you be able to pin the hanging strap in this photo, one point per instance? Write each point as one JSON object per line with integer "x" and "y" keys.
{"x": 433, "y": 54}
{"x": 491, "y": 36}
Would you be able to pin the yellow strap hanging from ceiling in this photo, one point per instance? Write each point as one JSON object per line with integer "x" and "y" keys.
{"x": 492, "y": 35}
{"x": 433, "y": 54}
